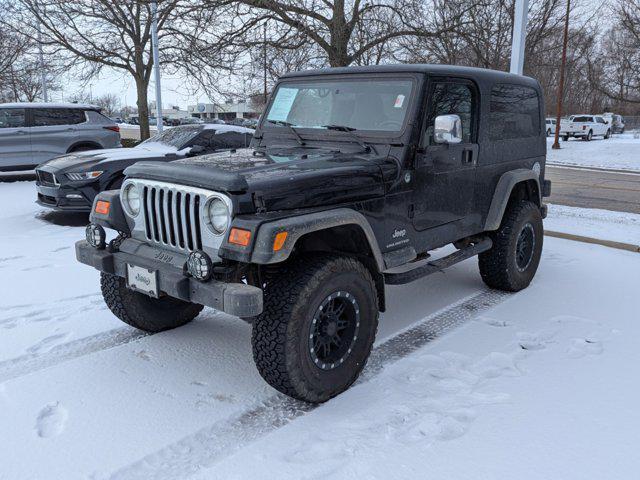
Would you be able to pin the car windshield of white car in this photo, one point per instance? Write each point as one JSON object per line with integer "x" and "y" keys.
{"x": 175, "y": 137}
{"x": 378, "y": 105}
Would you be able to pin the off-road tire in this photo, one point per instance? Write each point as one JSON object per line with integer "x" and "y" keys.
{"x": 144, "y": 312}
{"x": 498, "y": 266}
{"x": 281, "y": 335}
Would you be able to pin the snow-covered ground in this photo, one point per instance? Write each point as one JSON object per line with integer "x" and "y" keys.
{"x": 464, "y": 382}
{"x": 590, "y": 222}
{"x": 620, "y": 152}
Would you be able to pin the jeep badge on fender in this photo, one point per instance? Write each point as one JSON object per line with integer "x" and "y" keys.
{"x": 353, "y": 176}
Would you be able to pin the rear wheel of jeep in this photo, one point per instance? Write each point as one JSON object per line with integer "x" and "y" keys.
{"x": 318, "y": 326}
{"x": 144, "y": 312}
{"x": 517, "y": 246}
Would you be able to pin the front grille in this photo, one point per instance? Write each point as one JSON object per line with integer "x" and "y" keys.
{"x": 46, "y": 177}
{"x": 172, "y": 216}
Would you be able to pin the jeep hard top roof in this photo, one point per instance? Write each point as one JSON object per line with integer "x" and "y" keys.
{"x": 480, "y": 74}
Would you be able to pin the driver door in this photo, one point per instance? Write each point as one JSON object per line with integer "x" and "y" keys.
{"x": 445, "y": 173}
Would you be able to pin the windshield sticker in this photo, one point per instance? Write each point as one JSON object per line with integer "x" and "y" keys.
{"x": 399, "y": 101}
{"x": 281, "y": 105}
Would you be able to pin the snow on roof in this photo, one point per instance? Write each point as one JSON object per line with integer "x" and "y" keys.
{"x": 49, "y": 105}
{"x": 221, "y": 127}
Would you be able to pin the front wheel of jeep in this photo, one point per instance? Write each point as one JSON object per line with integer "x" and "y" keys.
{"x": 513, "y": 260}
{"x": 318, "y": 326}
{"x": 144, "y": 312}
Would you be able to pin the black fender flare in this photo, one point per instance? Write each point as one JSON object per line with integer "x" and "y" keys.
{"x": 301, "y": 225}
{"x": 503, "y": 190}
{"x": 115, "y": 219}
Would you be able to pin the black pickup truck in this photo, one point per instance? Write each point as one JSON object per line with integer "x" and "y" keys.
{"x": 353, "y": 177}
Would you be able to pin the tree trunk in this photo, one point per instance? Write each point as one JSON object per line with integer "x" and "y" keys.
{"x": 143, "y": 108}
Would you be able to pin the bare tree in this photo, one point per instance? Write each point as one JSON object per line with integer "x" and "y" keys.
{"x": 344, "y": 31}
{"x": 99, "y": 34}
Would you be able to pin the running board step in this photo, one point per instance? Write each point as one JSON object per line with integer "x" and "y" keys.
{"x": 423, "y": 269}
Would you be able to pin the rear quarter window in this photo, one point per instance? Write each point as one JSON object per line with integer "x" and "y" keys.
{"x": 514, "y": 112}
{"x": 98, "y": 118}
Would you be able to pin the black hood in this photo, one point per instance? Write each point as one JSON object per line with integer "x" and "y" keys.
{"x": 88, "y": 160}
{"x": 284, "y": 178}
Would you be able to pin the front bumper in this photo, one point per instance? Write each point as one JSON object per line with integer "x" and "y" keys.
{"x": 55, "y": 197}
{"x": 237, "y": 299}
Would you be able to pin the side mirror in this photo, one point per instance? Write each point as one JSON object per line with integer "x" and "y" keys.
{"x": 447, "y": 129}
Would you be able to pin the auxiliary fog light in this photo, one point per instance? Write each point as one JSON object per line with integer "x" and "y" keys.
{"x": 95, "y": 236}
{"x": 199, "y": 265}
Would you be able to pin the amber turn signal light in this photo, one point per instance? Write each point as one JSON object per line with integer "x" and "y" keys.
{"x": 102, "y": 207}
{"x": 278, "y": 242}
{"x": 238, "y": 236}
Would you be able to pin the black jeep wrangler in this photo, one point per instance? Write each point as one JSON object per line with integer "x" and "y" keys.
{"x": 354, "y": 176}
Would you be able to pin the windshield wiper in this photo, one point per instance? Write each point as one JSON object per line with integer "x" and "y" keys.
{"x": 291, "y": 127}
{"x": 349, "y": 130}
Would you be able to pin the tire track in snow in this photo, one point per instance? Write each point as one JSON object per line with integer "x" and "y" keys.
{"x": 205, "y": 447}
{"x": 34, "y": 362}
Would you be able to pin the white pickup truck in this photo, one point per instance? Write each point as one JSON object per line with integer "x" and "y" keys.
{"x": 585, "y": 127}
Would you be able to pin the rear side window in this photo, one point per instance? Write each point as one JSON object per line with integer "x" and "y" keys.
{"x": 582, "y": 119}
{"x": 98, "y": 118}
{"x": 11, "y": 117}
{"x": 45, "y": 117}
{"x": 514, "y": 112}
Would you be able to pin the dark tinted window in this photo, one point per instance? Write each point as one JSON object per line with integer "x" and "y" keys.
{"x": 451, "y": 99}
{"x": 44, "y": 117}
{"x": 582, "y": 119}
{"x": 600, "y": 120}
{"x": 11, "y": 117}
{"x": 514, "y": 112}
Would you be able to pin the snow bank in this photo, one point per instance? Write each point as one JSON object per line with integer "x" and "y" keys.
{"x": 620, "y": 152}
{"x": 590, "y": 222}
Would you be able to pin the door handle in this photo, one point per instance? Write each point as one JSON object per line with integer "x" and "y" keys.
{"x": 467, "y": 156}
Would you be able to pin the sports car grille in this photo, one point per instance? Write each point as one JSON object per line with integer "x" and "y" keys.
{"x": 172, "y": 216}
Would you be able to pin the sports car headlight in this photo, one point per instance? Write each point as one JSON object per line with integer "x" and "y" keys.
{"x": 131, "y": 199}
{"x": 77, "y": 176}
{"x": 218, "y": 216}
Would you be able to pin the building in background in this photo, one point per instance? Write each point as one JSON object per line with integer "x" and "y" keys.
{"x": 226, "y": 111}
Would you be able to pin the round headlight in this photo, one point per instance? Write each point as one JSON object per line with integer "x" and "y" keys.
{"x": 218, "y": 216}
{"x": 131, "y": 199}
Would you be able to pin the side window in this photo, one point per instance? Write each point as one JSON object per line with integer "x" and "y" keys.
{"x": 11, "y": 117}
{"x": 451, "y": 99}
{"x": 46, "y": 117}
{"x": 97, "y": 118}
{"x": 600, "y": 120}
{"x": 514, "y": 112}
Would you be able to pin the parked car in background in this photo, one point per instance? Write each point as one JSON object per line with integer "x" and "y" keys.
{"x": 585, "y": 127}
{"x": 31, "y": 133}
{"x": 616, "y": 122}
{"x": 217, "y": 121}
{"x": 71, "y": 182}
{"x": 191, "y": 121}
{"x": 550, "y": 126}
{"x": 250, "y": 123}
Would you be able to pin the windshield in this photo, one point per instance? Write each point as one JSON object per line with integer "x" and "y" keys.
{"x": 175, "y": 137}
{"x": 367, "y": 104}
